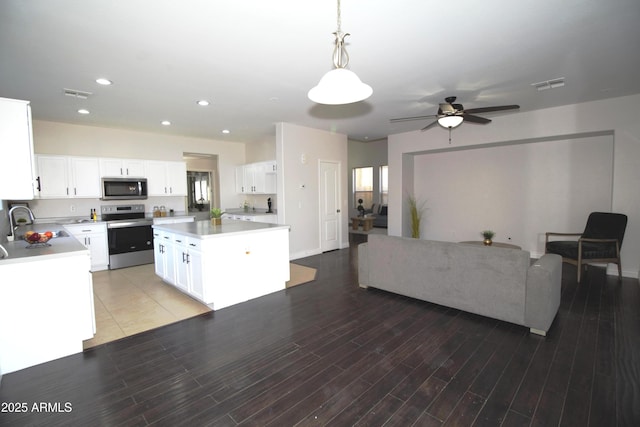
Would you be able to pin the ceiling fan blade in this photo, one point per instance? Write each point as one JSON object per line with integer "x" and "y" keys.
{"x": 490, "y": 109}
{"x": 408, "y": 119}
{"x": 430, "y": 125}
{"x": 475, "y": 119}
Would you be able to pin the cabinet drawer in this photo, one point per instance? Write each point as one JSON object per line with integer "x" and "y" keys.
{"x": 194, "y": 244}
{"x": 86, "y": 228}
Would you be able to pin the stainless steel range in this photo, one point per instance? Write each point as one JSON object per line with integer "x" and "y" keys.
{"x": 129, "y": 235}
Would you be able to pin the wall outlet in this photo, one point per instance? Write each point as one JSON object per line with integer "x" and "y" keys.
{"x": 72, "y": 208}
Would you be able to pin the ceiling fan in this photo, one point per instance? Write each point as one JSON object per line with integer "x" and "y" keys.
{"x": 451, "y": 115}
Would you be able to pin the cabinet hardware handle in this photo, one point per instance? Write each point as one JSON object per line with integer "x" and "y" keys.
{"x": 121, "y": 171}
{"x": 127, "y": 171}
{"x": 67, "y": 191}
{"x": 75, "y": 191}
{"x": 39, "y": 186}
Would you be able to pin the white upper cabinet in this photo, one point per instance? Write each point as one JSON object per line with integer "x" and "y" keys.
{"x": 17, "y": 173}
{"x": 64, "y": 177}
{"x": 256, "y": 178}
{"x": 122, "y": 168}
{"x": 166, "y": 178}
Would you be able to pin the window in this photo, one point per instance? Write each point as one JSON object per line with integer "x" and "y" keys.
{"x": 363, "y": 187}
{"x": 384, "y": 185}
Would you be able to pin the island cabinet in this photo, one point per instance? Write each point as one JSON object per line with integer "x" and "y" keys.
{"x": 226, "y": 264}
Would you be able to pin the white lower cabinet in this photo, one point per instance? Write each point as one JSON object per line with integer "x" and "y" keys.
{"x": 93, "y": 237}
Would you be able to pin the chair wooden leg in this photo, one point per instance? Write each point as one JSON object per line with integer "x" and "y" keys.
{"x": 579, "y": 267}
{"x": 619, "y": 271}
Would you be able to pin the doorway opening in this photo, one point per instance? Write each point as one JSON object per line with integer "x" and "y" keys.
{"x": 203, "y": 186}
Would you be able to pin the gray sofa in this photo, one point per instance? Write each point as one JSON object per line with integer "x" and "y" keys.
{"x": 495, "y": 282}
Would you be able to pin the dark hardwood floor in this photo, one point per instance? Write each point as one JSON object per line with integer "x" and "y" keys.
{"x": 330, "y": 353}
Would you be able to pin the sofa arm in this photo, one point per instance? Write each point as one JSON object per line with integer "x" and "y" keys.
{"x": 363, "y": 265}
{"x": 543, "y": 293}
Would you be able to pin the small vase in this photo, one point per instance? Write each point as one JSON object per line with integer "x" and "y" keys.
{"x": 487, "y": 242}
{"x": 216, "y": 221}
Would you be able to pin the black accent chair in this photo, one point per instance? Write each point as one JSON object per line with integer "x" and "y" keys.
{"x": 599, "y": 243}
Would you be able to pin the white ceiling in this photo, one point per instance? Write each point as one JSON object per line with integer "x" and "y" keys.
{"x": 255, "y": 60}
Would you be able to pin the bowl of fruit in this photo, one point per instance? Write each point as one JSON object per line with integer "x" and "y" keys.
{"x": 34, "y": 238}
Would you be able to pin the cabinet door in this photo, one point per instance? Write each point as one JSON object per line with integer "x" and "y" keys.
{"x": 240, "y": 180}
{"x": 196, "y": 278}
{"x": 156, "y": 178}
{"x": 159, "y": 254}
{"x": 176, "y": 173}
{"x": 169, "y": 260}
{"x": 111, "y": 167}
{"x": 180, "y": 256}
{"x": 85, "y": 176}
{"x": 99, "y": 251}
{"x": 17, "y": 173}
{"x": 133, "y": 168}
{"x": 270, "y": 173}
{"x": 53, "y": 176}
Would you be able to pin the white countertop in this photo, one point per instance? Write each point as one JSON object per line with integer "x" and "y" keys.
{"x": 205, "y": 230}
{"x": 21, "y": 251}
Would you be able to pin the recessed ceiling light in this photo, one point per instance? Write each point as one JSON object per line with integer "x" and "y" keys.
{"x": 104, "y": 82}
{"x": 225, "y": 131}
{"x": 166, "y": 123}
{"x": 83, "y": 111}
{"x": 203, "y": 103}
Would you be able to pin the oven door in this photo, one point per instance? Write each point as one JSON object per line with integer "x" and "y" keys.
{"x": 130, "y": 243}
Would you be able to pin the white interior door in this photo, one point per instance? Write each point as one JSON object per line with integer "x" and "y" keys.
{"x": 329, "y": 206}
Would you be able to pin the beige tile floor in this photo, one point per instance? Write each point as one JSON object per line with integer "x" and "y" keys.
{"x": 132, "y": 300}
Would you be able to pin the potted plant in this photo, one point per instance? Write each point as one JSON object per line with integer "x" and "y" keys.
{"x": 415, "y": 209}
{"x": 216, "y": 216}
{"x": 488, "y": 235}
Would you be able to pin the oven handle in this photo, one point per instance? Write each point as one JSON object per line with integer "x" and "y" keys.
{"x": 130, "y": 224}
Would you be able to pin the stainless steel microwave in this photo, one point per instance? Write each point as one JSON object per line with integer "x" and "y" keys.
{"x": 124, "y": 188}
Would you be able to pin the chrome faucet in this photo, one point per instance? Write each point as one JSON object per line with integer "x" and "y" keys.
{"x": 11, "y": 224}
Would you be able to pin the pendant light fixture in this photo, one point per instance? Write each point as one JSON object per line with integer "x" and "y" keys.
{"x": 340, "y": 86}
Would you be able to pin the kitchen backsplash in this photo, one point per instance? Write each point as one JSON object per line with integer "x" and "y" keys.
{"x": 62, "y": 208}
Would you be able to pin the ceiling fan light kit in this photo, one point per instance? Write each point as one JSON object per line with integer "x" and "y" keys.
{"x": 450, "y": 122}
{"x": 340, "y": 86}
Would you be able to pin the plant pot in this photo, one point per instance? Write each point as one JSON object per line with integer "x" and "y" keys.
{"x": 487, "y": 242}
{"x": 216, "y": 221}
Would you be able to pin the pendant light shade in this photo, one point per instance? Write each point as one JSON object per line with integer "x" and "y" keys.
{"x": 450, "y": 121}
{"x": 340, "y": 86}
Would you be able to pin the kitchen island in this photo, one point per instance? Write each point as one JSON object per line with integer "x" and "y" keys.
{"x": 222, "y": 265}
{"x": 46, "y": 301}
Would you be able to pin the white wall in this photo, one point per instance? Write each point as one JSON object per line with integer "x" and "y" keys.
{"x": 514, "y": 190}
{"x": 617, "y": 117}
{"x": 76, "y": 140}
{"x": 301, "y": 206}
